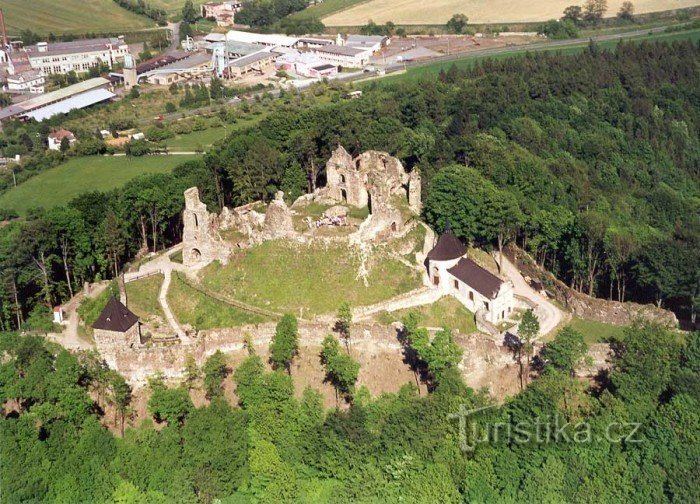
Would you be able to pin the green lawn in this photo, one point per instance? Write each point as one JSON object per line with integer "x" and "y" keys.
{"x": 288, "y": 277}
{"x": 59, "y": 185}
{"x": 202, "y": 312}
{"x": 69, "y": 16}
{"x": 447, "y": 312}
{"x": 326, "y": 8}
{"x": 197, "y": 139}
{"x": 142, "y": 297}
{"x": 468, "y": 61}
{"x": 596, "y": 332}
{"x": 173, "y": 6}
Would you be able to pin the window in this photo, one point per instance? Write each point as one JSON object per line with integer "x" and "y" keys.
{"x": 471, "y": 296}
{"x": 456, "y": 284}
{"x": 486, "y": 305}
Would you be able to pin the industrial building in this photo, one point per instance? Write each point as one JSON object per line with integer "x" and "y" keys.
{"x": 77, "y": 56}
{"x": 77, "y": 96}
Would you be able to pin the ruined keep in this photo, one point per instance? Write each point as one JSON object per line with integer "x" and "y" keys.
{"x": 200, "y": 236}
{"x": 375, "y": 180}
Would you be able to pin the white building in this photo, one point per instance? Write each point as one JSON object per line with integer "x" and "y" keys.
{"x": 305, "y": 64}
{"x": 261, "y": 38}
{"x": 29, "y": 81}
{"x": 348, "y": 57}
{"x": 78, "y": 56}
{"x": 478, "y": 289}
{"x": 372, "y": 43}
{"x": 56, "y": 137}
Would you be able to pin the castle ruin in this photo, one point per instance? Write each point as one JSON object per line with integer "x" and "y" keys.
{"x": 200, "y": 236}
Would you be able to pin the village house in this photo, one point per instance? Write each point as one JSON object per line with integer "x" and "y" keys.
{"x": 56, "y": 137}
{"x": 221, "y": 12}
{"x": 116, "y": 327}
{"x": 452, "y": 272}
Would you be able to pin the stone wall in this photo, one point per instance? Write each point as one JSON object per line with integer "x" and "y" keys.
{"x": 200, "y": 236}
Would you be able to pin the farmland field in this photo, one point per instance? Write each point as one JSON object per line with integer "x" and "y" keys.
{"x": 57, "y": 186}
{"x": 326, "y": 8}
{"x": 69, "y": 16}
{"x": 173, "y": 6}
{"x": 479, "y": 11}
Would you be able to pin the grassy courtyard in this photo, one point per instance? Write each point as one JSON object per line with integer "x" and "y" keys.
{"x": 142, "y": 297}
{"x": 203, "y": 312}
{"x": 59, "y": 185}
{"x": 447, "y": 312}
{"x": 307, "y": 279}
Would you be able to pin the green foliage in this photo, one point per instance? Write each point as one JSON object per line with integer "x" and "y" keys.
{"x": 169, "y": 405}
{"x": 566, "y": 351}
{"x": 457, "y": 23}
{"x": 436, "y": 355}
{"x": 341, "y": 368}
{"x": 559, "y": 29}
{"x": 215, "y": 370}
{"x": 285, "y": 343}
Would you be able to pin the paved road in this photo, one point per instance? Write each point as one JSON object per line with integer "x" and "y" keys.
{"x": 549, "y": 315}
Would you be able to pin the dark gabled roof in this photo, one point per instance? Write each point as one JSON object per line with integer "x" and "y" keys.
{"x": 447, "y": 247}
{"x": 481, "y": 280}
{"x": 115, "y": 317}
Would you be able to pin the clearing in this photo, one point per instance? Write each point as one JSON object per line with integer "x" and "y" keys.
{"x": 198, "y": 140}
{"x": 409, "y": 12}
{"x": 446, "y": 312}
{"x": 308, "y": 279}
{"x": 70, "y": 16}
{"x": 597, "y": 332}
{"x": 202, "y": 312}
{"x": 59, "y": 185}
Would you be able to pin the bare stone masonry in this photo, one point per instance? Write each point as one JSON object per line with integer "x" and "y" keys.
{"x": 200, "y": 236}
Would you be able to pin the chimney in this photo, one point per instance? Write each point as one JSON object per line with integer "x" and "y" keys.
{"x": 4, "y": 32}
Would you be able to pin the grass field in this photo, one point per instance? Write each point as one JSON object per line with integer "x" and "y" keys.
{"x": 142, "y": 297}
{"x": 69, "y": 16}
{"x": 408, "y": 12}
{"x": 326, "y": 8}
{"x": 290, "y": 277}
{"x": 596, "y": 332}
{"x": 197, "y": 139}
{"x": 447, "y": 312}
{"x": 468, "y": 61}
{"x": 202, "y": 312}
{"x": 59, "y": 185}
{"x": 173, "y": 6}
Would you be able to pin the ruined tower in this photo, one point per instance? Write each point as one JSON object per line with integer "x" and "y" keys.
{"x": 200, "y": 237}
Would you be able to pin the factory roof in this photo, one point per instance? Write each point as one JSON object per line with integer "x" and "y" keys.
{"x": 53, "y": 97}
{"x": 76, "y": 102}
{"x": 261, "y": 38}
{"x": 73, "y": 47}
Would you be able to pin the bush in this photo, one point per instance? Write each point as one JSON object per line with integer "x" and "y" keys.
{"x": 138, "y": 148}
{"x": 90, "y": 147}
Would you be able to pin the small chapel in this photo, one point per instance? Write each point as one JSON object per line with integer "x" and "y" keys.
{"x": 454, "y": 273}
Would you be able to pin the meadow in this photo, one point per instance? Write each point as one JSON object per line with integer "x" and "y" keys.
{"x": 59, "y": 185}
{"x": 446, "y": 312}
{"x": 307, "y": 279}
{"x": 409, "y": 12}
{"x": 174, "y": 6}
{"x": 69, "y": 16}
{"x": 326, "y": 8}
{"x": 597, "y": 332}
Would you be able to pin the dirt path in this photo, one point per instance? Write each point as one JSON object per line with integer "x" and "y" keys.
{"x": 70, "y": 338}
{"x": 549, "y": 315}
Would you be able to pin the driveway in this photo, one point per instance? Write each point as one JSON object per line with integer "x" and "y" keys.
{"x": 549, "y": 315}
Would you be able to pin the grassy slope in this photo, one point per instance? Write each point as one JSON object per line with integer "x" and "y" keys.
{"x": 286, "y": 277}
{"x": 142, "y": 296}
{"x": 446, "y": 312}
{"x": 596, "y": 332}
{"x": 468, "y": 61}
{"x": 202, "y": 312}
{"x": 173, "y": 6}
{"x": 69, "y": 16}
{"x": 197, "y": 139}
{"x": 59, "y": 185}
{"x": 326, "y": 8}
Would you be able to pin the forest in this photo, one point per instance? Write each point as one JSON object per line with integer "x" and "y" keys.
{"x": 589, "y": 161}
{"x": 632, "y": 436}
